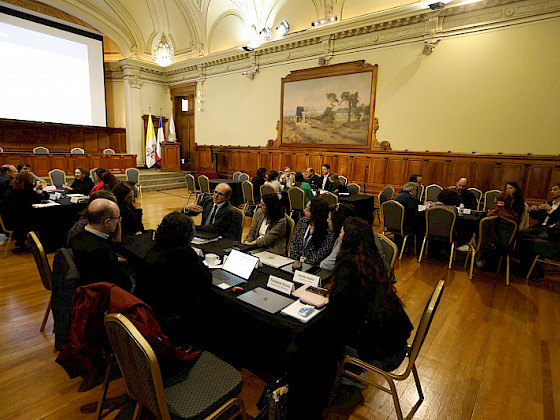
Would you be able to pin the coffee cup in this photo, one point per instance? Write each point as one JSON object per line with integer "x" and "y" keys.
{"x": 212, "y": 259}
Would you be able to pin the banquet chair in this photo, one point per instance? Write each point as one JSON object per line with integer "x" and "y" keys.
{"x": 108, "y": 151}
{"x": 191, "y": 187}
{"x": 432, "y": 192}
{"x": 290, "y": 227}
{"x": 543, "y": 260}
{"x": 236, "y": 175}
{"x": 495, "y": 235}
{"x": 343, "y": 180}
{"x": 490, "y": 199}
{"x": 392, "y": 214}
{"x": 412, "y": 354}
{"x": 8, "y": 233}
{"x": 208, "y": 389}
{"x": 238, "y": 221}
{"x": 420, "y": 192}
{"x": 330, "y": 198}
{"x": 44, "y": 268}
{"x": 267, "y": 189}
{"x": 524, "y": 222}
{"x": 133, "y": 176}
{"x": 204, "y": 184}
{"x": 478, "y": 195}
{"x": 1, "y": 150}
{"x": 354, "y": 189}
{"x": 248, "y": 198}
{"x": 389, "y": 249}
{"x": 40, "y": 150}
{"x": 243, "y": 178}
{"x": 58, "y": 178}
{"x": 297, "y": 200}
{"x": 440, "y": 225}
{"x": 77, "y": 151}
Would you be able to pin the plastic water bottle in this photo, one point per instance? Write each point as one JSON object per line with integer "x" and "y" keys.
{"x": 461, "y": 208}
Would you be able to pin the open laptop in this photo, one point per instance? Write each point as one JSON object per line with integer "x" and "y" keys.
{"x": 236, "y": 270}
{"x": 265, "y": 300}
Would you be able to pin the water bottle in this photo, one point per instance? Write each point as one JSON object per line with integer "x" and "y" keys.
{"x": 461, "y": 208}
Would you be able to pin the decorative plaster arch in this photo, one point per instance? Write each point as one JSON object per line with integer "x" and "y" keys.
{"x": 194, "y": 19}
{"x": 222, "y": 16}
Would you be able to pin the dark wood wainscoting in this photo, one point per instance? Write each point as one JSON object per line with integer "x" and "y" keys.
{"x": 375, "y": 170}
{"x": 60, "y": 138}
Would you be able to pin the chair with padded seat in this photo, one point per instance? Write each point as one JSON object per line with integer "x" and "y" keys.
{"x": 420, "y": 193}
{"x": 8, "y": 233}
{"x": 353, "y": 189}
{"x": 524, "y": 222}
{"x": 58, "y": 178}
{"x": 343, "y": 180}
{"x": 477, "y": 194}
{"x": 208, "y": 389}
{"x": 542, "y": 260}
{"x": 412, "y": 354}
{"x": 238, "y": 221}
{"x": 390, "y": 249}
{"x": 109, "y": 151}
{"x": 236, "y": 175}
{"x": 133, "y": 176}
{"x": 296, "y": 197}
{"x": 77, "y": 151}
{"x": 191, "y": 187}
{"x": 44, "y": 269}
{"x": 40, "y": 150}
{"x": 290, "y": 228}
{"x": 267, "y": 189}
{"x": 1, "y": 150}
{"x": 440, "y": 225}
{"x": 243, "y": 178}
{"x": 204, "y": 184}
{"x": 330, "y": 198}
{"x": 392, "y": 214}
{"x": 432, "y": 191}
{"x": 490, "y": 199}
{"x": 248, "y": 197}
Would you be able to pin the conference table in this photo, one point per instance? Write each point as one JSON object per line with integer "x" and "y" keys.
{"x": 236, "y": 198}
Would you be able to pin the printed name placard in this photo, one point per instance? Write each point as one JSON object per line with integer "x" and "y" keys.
{"x": 466, "y": 211}
{"x": 57, "y": 195}
{"x": 52, "y": 197}
{"x": 276, "y": 283}
{"x": 74, "y": 199}
{"x": 306, "y": 278}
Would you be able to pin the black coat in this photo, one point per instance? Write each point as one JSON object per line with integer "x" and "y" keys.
{"x": 222, "y": 225}
{"x": 82, "y": 186}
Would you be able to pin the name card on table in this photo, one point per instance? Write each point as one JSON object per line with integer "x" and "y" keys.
{"x": 306, "y": 278}
{"x": 75, "y": 199}
{"x": 466, "y": 211}
{"x": 57, "y": 195}
{"x": 422, "y": 207}
{"x": 52, "y": 197}
{"x": 276, "y": 283}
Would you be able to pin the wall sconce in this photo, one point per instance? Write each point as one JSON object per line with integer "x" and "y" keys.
{"x": 199, "y": 100}
{"x": 324, "y": 21}
{"x": 266, "y": 33}
{"x": 436, "y": 6}
{"x": 283, "y": 28}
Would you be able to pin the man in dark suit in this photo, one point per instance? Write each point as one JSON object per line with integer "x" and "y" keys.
{"x": 324, "y": 181}
{"x": 466, "y": 197}
{"x": 217, "y": 213}
{"x": 311, "y": 177}
{"x": 93, "y": 250}
{"x": 7, "y": 174}
{"x": 407, "y": 197}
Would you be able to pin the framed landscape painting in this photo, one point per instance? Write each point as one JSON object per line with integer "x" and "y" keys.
{"x": 330, "y": 106}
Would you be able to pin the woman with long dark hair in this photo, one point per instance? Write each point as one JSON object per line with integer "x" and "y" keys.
{"x": 99, "y": 184}
{"x": 300, "y": 183}
{"x": 336, "y": 219}
{"x": 82, "y": 182}
{"x": 369, "y": 315}
{"x": 131, "y": 213}
{"x": 272, "y": 180}
{"x": 313, "y": 240}
{"x": 518, "y": 202}
{"x": 269, "y": 226}
{"x": 258, "y": 181}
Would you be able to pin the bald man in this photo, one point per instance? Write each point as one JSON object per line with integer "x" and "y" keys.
{"x": 93, "y": 249}
{"x": 7, "y": 173}
{"x": 217, "y": 213}
{"x": 466, "y": 197}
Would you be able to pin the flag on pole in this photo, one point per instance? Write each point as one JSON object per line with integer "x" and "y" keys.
{"x": 172, "y": 136}
{"x": 150, "y": 144}
{"x": 160, "y": 139}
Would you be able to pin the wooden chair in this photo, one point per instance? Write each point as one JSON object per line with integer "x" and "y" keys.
{"x": 353, "y": 189}
{"x": 9, "y": 233}
{"x": 44, "y": 268}
{"x": 58, "y": 178}
{"x": 343, "y": 180}
{"x": 236, "y": 175}
{"x": 440, "y": 222}
{"x": 540, "y": 259}
{"x": 290, "y": 228}
{"x": 208, "y": 390}
{"x": 77, "y": 151}
{"x": 412, "y": 354}
{"x": 490, "y": 199}
{"x": 248, "y": 198}
{"x": 133, "y": 176}
{"x": 495, "y": 235}
{"x": 108, "y": 152}
{"x": 330, "y": 198}
{"x": 524, "y": 222}
{"x": 392, "y": 213}
{"x": 478, "y": 195}
{"x": 238, "y": 220}
{"x": 390, "y": 249}
{"x": 191, "y": 187}
{"x": 267, "y": 189}
{"x": 296, "y": 197}
{"x": 243, "y": 178}
{"x": 1, "y": 150}
{"x": 432, "y": 192}
{"x": 204, "y": 184}
{"x": 41, "y": 150}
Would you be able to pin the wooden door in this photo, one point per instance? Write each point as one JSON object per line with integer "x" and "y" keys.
{"x": 183, "y": 115}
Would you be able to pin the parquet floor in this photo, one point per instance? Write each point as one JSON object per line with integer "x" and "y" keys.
{"x": 492, "y": 351}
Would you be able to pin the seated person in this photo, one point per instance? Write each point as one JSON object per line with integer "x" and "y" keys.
{"x": 99, "y": 185}
{"x": 335, "y": 186}
{"x": 131, "y": 213}
{"x": 7, "y": 174}
{"x": 272, "y": 180}
{"x": 95, "y": 258}
{"x": 447, "y": 198}
{"x": 217, "y": 213}
{"x": 466, "y": 197}
{"x": 287, "y": 179}
{"x": 268, "y": 229}
{"x": 109, "y": 181}
{"x": 82, "y": 183}
{"x": 418, "y": 179}
{"x": 336, "y": 219}
{"x": 312, "y": 178}
{"x": 324, "y": 183}
{"x": 518, "y": 202}
{"x": 258, "y": 181}
{"x": 306, "y": 187}
{"x": 183, "y": 281}
{"x": 407, "y": 197}
{"x": 26, "y": 167}
{"x": 364, "y": 301}
{"x": 82, "y": 220}
{"x": 313, "y": 240}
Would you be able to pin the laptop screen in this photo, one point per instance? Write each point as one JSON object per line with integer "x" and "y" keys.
{"x": 240, "y": 264}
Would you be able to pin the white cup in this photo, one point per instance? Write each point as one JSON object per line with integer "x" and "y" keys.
{"x": 212, "y": 259}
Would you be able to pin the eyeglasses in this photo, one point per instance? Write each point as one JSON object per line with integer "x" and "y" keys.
{"x": 114, "y": 218}
{"x": 219, "y": 193}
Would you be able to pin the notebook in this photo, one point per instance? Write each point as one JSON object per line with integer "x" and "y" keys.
{"x": 236, "y": 270}
{"x": 265, "y": 300}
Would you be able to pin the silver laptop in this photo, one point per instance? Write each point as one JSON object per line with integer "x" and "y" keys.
{"x": 236, "y": 270}
{"x": 265, "y": 300}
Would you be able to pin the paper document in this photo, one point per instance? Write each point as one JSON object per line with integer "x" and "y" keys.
{"x": 301, "y": 311}
{"x": 203, "y": 241}
{"x": 41, "y": 205}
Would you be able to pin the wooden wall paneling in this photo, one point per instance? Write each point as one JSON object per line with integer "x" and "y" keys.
{"x": 61, "y": 138}
{"x": 58, "y": 161}
{"x": 276, "y": 161}
{"x": 414, "y": 166}
{"x": 300, "y": 162}
{"x": 315, "y": 162}
{"x": 75, "y": 161}
{"x": 344, "y": 165}
{"x": 96, "y": 161}
{"x": 395, "y": 172}
{"x": 40, "y": 165}
{"x": 358, "y": 171}
{"x": 437, "y": 172}
{"x": 484, "y": 175}
{"x": 376, "y": 173}
{"x": 104, "y": 141}
{"x": 457, "y": 170}
{"x": 264, "y": 160}
{"x": 252, "y": 164}
{"x": 510, "y": 172}
{"x": 538, "y": 182}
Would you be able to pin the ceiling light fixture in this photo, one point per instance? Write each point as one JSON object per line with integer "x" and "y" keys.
{"x": 266, "y": 33}
{"x": 436, "y": 6}
{"x": 163, "y": 53}
{"x": 283, "y": 28}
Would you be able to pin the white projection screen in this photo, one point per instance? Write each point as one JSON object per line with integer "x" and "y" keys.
{"x": 50, "y": 74}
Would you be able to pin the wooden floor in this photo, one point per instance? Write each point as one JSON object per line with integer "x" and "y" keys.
{"x": 492, "y": 351}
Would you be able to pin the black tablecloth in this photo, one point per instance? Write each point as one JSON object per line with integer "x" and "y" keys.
{"x": 363, "y": 204}
{"x": 236, "y": 191}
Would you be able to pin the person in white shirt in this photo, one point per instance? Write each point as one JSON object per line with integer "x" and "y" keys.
{"x": 288, "y": 178}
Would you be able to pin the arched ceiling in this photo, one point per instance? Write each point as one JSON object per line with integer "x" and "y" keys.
{"x": 195, "y": 27}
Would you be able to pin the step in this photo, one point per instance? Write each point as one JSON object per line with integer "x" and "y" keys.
{"x": 161, "y": 187}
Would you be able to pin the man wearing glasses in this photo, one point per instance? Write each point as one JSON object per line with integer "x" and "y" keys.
{"x": 217, "y": 212}
{"x": 93, "y": 251}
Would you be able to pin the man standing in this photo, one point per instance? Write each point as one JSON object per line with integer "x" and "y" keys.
{"x": 93, "y": 250}
{"x": 217, "y": 213}
{"x": 466, "y": 197}
{"x": 324, "y": 182}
